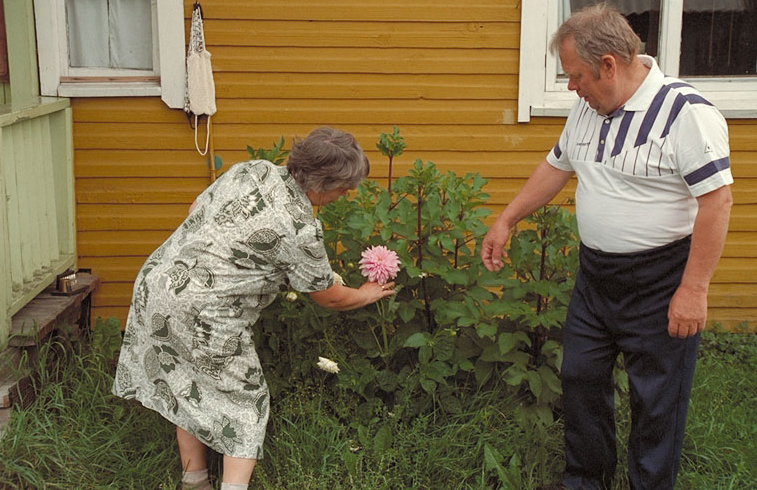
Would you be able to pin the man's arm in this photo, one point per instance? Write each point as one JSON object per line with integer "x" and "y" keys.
{"x": 543, "y": 184}
{"x": 687, "y": 311}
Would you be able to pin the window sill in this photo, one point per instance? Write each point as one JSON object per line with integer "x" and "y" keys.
{"x": 110, "y": 89}
{"x": 733, "y": 105}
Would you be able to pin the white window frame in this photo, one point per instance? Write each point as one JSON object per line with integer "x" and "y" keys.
{"x": 166, "y": 80}
{"x": 541, "y": 93}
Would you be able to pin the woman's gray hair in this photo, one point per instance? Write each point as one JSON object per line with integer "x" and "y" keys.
{"x": 327, "y": 159}
{"x": 596, "y": 31}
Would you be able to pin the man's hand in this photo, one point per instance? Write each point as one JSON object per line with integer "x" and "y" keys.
{"x": 493, "y": 244}
{"x": 543, "y": 184}
{"x": 687, "y": 312}
{"x": 688, "y": 308}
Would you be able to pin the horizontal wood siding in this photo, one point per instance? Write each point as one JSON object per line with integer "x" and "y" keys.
{"x": 444, "y": 71}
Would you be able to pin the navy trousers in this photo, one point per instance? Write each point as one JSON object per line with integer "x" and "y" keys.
{"x": 620, "y": 304}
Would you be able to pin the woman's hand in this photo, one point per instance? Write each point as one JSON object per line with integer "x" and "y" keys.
{"x": 377, "y": 291}
{"x": 343, "y": 298}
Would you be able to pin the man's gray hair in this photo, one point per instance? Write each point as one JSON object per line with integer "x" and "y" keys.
{"x": 596, "y": 31}
{"x": 327, "y": 159}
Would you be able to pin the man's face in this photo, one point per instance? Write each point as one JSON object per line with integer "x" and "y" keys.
{"x": 595, "y": 90}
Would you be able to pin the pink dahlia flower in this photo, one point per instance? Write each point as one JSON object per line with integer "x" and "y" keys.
{"x": 379, "y": 264}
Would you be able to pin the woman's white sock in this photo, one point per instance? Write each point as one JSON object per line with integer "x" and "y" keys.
{"x": 233, "y": 486}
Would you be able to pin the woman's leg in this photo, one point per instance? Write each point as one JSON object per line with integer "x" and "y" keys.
{"x": 237, "y": 470}
{"x": 191, "y": 451}
{"x": 195, "y": 469}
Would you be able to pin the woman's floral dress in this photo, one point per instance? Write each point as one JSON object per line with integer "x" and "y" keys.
{"x": 188, "y": 351}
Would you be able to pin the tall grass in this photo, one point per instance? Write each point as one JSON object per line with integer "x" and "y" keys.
{"x": 78, "y": 436}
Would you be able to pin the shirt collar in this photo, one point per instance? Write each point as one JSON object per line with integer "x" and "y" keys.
{"x": 642, "y": 98}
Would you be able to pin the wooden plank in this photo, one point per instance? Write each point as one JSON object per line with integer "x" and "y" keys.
{"x": 743, "y": 193}
{"x": 13, "y": 223}
{"x": 365, "y": 86}
{"x": 130, "y": 216}
{"x": 364, "y": 10}
{"x": 353, "y": 87}
{"x": 6, "y": 283}
{"x": 26, "y": 240}
{"x": 235, "y": 136}
{"x": 735, "y": 270}
{"x": 35, "y": 320}
{"x": 741, "y": 138}
{"x": 311, "y": 111}
{"x": 733, "y": 295}
{"x": 274, "y": 33}
{"x": 743, "y": 218}
{"x": 126, "y": 243}
{"x": 184, "y": 191}
{"x": 187, "y": 163}
{"x": 740, "y": 244}
{"x": 129, "y": 190}
{"x": 729, "y": 318}
{"x": 115, "y": 293}
{"x": 267, "y": 59}
{"x": 118, "y": 269}
{"x": 22, "y": 59}
{"x": 141, "y": 163}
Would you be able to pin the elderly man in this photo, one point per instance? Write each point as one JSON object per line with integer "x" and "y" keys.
{"x": 653, "y": 200}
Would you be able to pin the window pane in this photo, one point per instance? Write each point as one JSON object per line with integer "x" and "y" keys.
{"x": 110, "y": 33}
{"x": 719, "y": 38}
{"x": 642, "y": 15}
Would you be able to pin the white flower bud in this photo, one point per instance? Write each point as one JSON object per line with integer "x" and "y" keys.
{"x": 338, "y": 279}
{"x": 327, "y": 365}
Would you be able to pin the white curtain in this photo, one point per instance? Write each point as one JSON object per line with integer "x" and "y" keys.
{"x": 110, "y": 33}
{"x": 628, "y": 7}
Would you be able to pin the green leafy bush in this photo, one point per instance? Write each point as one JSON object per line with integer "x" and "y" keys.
{"x": 453, "y": 326}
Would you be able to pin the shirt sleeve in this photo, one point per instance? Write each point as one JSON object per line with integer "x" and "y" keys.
{"x": 701, "y": 149}
{"x": 558, "y": 156}
{"x": 307, "y": 267}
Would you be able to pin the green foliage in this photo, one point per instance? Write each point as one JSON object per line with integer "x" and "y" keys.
{"x": 453, "y": 327}
{"x": 534, "y": 302}
{"x": 106, "y": 337}
{"x": 391, "y": 145}
{"x": 275, "y": 154}
{"x": 78, "y": 435}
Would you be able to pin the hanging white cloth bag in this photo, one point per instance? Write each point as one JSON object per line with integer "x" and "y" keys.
{"x": 200, "y": 97}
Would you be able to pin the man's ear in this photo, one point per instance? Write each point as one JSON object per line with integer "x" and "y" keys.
{"x": 608, "y": 65}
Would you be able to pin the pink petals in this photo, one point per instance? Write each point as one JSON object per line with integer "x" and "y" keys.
{"x": 379, "y": 264}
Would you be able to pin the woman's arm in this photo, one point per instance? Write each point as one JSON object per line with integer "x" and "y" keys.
{"x": 343, "y": 298}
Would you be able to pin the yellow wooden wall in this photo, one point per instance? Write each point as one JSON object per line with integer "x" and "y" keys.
{"x": 443, "y": 71}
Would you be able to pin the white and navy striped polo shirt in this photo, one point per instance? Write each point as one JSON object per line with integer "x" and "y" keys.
{"x": 641, "y": 168}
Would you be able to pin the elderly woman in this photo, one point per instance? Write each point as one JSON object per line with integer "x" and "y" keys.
{"x": 188, "y": 351}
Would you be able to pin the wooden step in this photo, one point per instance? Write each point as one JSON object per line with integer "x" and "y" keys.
{"x": 46, "y": 311}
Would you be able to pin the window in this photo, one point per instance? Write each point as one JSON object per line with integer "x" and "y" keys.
{"x": 103, "y": 48}
{"x": 710, "y": 44}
